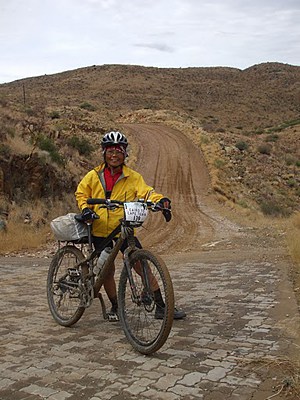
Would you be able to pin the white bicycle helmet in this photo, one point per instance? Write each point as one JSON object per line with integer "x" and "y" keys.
{"x": 114, "y": 138}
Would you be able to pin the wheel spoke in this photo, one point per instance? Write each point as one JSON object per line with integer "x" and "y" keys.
{"x": 63, "y": 286}
{"x": 138, "y": 316}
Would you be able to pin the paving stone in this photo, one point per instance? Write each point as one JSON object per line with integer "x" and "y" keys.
{"x": 166, "y": 382}
{"x": 59, "y": 396}
{"x": 229, "y": 321}
{"x": 153, "y": 394}
{"x": 216, "y": 374}
{"x": 6, "y": 382}
{"x": 39, "y": 390}
{"x": 139, "y": 386}
{"x": 186, "y": 391}
{"x": 191, "y": 379}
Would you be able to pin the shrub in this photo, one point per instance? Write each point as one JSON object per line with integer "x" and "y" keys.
{"x": 272, "y": 208}
{"x": 218, "y": 163}
{"x": 80, "y": 144}
{"x": 259, "y": 131}
{"x": 284, "y": 125}
{"x": 48, "y": 145}
{"x": 264, "y": 149}
{"x": 54, "y": 115}
{"x": 5, "y": 151}
{"x": 31, "y": 112}
{"x": 11, "y": 131}
{"x": 242, "y": 203}
{"x": 57, "y": 158}
{"x": 289, "y": 159}
{"x": 62, "y": 126}
{"x": 242, "y": 145}
{"x": 87, "y": 106}
{"x": 272, "y": 138}
{"x": 291, "y": 182}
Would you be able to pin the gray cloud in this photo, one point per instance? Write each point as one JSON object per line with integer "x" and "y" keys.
{"x": 156, "y": 46}
{"x": 39, "y": 38}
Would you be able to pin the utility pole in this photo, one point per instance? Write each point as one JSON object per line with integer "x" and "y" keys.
{"x": 24, "y": 94}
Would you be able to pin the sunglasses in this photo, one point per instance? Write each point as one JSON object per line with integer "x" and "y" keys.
{"x": 110, "y": 152}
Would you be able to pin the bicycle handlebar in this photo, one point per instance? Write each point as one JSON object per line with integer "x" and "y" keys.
{"x": 104, "y": 201}
{"x": 109, "y": 202}
{"x": 116, "y": 203}
{"x": 113, "y": 204}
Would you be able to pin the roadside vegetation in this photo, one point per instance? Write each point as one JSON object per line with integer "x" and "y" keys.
{"x": 285, "y": 373}
{"x": 293, "y": 238}
{"x": 27, "y": 228}
{"x": 293, "y": 244}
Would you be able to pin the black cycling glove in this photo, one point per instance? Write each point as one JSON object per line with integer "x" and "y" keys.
{"x": 168, "y": 215}
{"x": 166, "y": 203}
{"x": 87, "y": 214}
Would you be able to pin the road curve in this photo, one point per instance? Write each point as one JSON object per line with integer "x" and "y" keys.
{"x": 174, "y": 166}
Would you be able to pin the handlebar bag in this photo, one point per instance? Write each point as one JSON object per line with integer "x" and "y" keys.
{"x": 66, "y": 228}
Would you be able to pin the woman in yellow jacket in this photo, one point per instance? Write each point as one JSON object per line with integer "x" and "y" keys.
{"x": 114, "y": 180}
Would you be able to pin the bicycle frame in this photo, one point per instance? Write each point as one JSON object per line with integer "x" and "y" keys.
{"x": 125, "y": 232}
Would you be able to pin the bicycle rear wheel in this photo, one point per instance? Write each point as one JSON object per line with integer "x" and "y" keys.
{"x": 137, "y": 312}
{"x": 63, "y": 286}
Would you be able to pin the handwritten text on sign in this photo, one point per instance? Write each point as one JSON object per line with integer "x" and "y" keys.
{"x": 135, "y": 212}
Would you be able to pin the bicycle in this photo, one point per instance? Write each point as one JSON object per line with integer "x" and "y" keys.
{"x": 72, "y": 284}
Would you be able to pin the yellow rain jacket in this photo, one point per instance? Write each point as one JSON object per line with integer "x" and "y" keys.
{"x": 129, "y": 187}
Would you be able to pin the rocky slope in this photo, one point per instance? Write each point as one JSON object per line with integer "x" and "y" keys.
{"x": 246, "y": 123}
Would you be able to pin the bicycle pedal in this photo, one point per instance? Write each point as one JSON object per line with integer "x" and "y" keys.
{"x": 112, "y": 317}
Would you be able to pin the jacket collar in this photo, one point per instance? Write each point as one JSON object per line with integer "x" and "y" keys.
{"x": 125, "y": 170}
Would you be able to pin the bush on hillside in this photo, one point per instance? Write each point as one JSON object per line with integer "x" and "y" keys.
{"x": 47, "y": 144}
{"x": 242, "y": 146}
{"x": 82, "y": 145}
{"x": 87, "y": 106}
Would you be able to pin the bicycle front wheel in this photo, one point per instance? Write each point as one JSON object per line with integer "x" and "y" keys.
{"x": 63, "y": 286}
{"x": 145, "y": 326}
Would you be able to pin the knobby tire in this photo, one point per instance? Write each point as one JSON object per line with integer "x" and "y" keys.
{"x": 64, "y": 303}
{"x": 145, "y": 333}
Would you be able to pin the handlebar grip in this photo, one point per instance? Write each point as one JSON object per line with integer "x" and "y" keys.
{"x": 104, "y": 201}
{"x": 96, "y": 201}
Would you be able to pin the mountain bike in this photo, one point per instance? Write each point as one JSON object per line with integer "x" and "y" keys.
{"x": 72, "y": 284}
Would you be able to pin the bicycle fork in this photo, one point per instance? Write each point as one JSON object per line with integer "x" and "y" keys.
{"x": 142, "y": 271}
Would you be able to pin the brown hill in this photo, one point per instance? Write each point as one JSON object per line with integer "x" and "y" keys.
{"x": 221, "y": 98}
{"x": 246, "y": 123}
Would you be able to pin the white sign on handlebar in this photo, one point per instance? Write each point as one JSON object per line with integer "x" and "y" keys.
{"x": 135, "y": 212}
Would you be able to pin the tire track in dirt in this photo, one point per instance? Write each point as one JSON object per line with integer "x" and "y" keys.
{"x": 174, "y": 166}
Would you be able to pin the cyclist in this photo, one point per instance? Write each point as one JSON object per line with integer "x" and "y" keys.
{"x": 114, "y": 180}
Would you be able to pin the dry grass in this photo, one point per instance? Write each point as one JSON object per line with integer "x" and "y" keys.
{"x": 20, "y": 237}
{"x": 293, "y": 244}
{"x": 293, "y": 239}
{"x": 284, "y": 372}
{"x": 27, "y": 227}
{"x": 18, "y": 145}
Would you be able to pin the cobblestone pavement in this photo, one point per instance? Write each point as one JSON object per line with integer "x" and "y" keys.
{"x": 239, "y": 310}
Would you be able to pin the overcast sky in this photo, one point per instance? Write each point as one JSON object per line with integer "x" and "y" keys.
{"x": 40, "y": 37}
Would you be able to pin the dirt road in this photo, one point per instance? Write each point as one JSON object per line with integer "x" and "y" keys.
{"x": 232, "y": 280}
{"x": 175, "y": 167}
